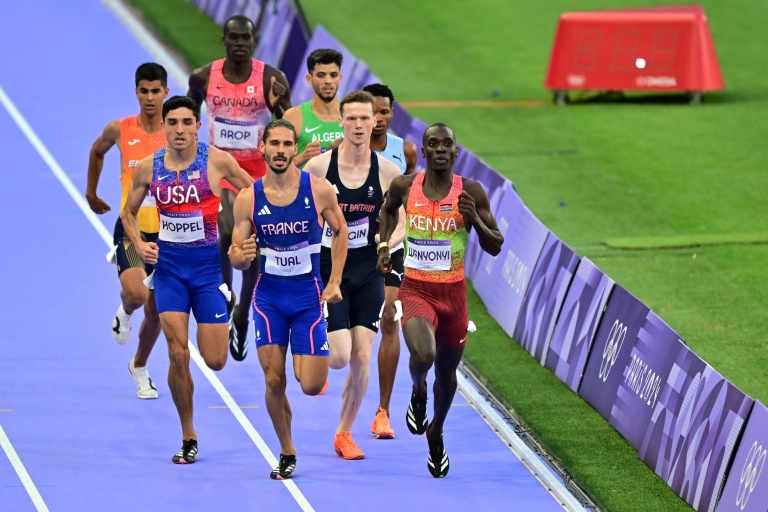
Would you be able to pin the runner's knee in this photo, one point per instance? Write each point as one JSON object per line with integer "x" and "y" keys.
{"x": 135, "y": 296}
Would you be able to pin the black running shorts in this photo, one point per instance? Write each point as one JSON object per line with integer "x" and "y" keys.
{"x": 127, "y": 256}
{"x": 362, "y": 290}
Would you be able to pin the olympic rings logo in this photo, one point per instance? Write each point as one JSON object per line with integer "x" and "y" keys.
{"x": 612, "y": 349}
{"x": 750, "y": 473}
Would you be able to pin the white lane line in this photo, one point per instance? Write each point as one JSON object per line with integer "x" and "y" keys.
{"x": 22, "y": 123}
{"x": 22, "y": 472}
{"x": 54, "y": 166}
{"x": 542, "y": 473}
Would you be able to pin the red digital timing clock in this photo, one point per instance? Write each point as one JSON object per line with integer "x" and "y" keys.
{"x": 652, "y": 49}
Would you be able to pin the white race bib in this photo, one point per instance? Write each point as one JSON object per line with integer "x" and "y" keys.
{"x": 358, "y": 233}
{"x": 428, "y": 254}
{"x": 181, "y": 227}
{"x": 231, "y": 134}
{"x": 292, "y": 260}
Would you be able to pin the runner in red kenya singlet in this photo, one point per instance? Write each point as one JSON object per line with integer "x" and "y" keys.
{"x": 241, "y": 94}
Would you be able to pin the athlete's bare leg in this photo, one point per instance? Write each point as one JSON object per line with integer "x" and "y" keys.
{"x": 148, "y": 332}
{"x": 446, "y": 363}
{"x": 389, "y": 349}
{"x": 357, "y": 379}
{"x": 175, "y": 328}
{"x": 212, "y": 340}
{"x": 419, "y": 336}
{"x": 135, "y": 294}
{"x": 272, "y": 359}
{"x": 311, "y": 372}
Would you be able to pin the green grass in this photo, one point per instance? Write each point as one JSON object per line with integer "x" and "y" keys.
{"x": 636, "y": 171}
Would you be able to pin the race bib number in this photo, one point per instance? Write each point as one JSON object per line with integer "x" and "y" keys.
{"x": 358, "y": 233}
{"x": 230, "y": 134}
{"x": 292, "y": 260}
{"x": 181, "y": 227}
{"x": 428, "y": 254}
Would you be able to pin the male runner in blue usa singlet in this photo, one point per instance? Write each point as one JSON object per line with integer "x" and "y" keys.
{"x": 184, "y": 179}
{"x": 285, "y": 211}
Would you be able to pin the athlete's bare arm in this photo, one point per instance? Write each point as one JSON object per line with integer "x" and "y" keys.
{"x": 411, "y": 157}
{"x": 328, "y": 208}
{"x": 318, "y": 167}
{"x": 388, "y": 171}
{"x": 243, "y": 249}
{"x": 397, "y": 197}
{"x": 140, "y": 183}
{"x": 336, "y": 143}
{"x": 277, "y": 91}
{"x": 109, "y": 137}
{"x": 296, "y": 118}
{"x": 223, "y": 165}
{"x": 476, "y": 208}
{"x": 198, "y": 84}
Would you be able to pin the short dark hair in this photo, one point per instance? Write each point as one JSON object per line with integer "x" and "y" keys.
{"x": 175, "y": 102}
{"x": 437, "y": 125}
{"x": 237, "y": 19}
{"x": 380, "y": 91}
{"x": 278, "y": 123}
{"x": 324, "y": 56}
{"x": 358, "y": 97}
{"x": 151, "y": 71}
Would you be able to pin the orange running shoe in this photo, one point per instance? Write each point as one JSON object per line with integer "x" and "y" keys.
{"x": 345, "y": 446}
{"x": 381, "y": 427}
{"x": 325, "y": 388}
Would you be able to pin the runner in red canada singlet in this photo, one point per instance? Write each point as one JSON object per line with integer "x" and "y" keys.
{"x": 241, "y": 95}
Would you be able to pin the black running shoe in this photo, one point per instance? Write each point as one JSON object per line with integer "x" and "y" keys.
{"x": 438, "y": 463}
{"x": 416, "y": 417}
{"x": 187, "y": 454}
{"x": 285, "y": 468}
{"x": 238, "y": 339}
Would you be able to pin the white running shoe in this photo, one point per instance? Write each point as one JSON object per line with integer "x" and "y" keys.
{"x": 121, "y": 326}
{"x": 145, "y": 388}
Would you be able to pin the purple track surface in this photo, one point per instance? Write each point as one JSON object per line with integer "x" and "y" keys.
{"x": 67, "y": 402}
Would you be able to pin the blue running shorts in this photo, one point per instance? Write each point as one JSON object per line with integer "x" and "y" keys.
{"x": 288, "y": 310}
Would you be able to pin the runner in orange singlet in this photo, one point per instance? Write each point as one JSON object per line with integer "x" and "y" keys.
{"x": 441, "y": 208}
{"x": 241, "y": 94}
{"x": 136, "y": 137}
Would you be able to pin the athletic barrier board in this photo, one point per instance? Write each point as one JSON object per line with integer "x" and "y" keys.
{"x": 651, "y": 359}
{"x": 502, "y": 281}
{"x": 277, "y": 24}
{"x": 650, "y": 49}
{"x": 497, "y": 186}
{"x": 694, "y": 429}
{"x": 611, "y": 351}
{"x": 221, "y": 10}
{"x": 551, "y": 278}
{"x": 576, "y": 327}
{"x": 746, "y": 486}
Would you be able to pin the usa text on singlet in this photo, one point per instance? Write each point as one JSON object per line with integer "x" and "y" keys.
{"x": 187, "y": 206}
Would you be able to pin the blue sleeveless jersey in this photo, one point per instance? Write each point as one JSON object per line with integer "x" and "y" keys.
{"x": 394, "y": 152}
{"x": 289, "y": 236}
